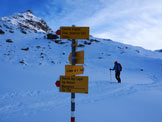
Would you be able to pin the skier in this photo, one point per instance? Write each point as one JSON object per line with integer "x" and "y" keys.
{"x": 118, "y": 69}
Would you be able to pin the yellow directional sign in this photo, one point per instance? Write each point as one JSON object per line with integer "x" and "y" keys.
{"x": 73, "y": 70}
{"x": 79, "y": 57}
{"x": 74, "y": 33}
{"x": 74, "y": 84}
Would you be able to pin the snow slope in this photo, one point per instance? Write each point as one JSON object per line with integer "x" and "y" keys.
{"x": 30, "y": 65}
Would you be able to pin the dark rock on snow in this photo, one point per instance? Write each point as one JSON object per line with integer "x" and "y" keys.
{"x": 25, "y": 49}
{"x": 52, "y": 36}
{"x": 9, "y": 41}
{"x": 2, "y": 32}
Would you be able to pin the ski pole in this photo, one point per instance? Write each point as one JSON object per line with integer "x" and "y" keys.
{"x": 110, "y": 76}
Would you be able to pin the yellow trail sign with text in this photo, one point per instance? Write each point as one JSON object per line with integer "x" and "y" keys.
{"x": 74, "y": 84}
{"x": 73, "y": 70}
{"x": 79, "y": 57}
{"x": 74, "y": 33}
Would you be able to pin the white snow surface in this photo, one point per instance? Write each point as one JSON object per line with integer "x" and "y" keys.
{"x": 28, "y": 92}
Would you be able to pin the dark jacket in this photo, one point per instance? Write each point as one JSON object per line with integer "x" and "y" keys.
{"x": 116, "y": 68}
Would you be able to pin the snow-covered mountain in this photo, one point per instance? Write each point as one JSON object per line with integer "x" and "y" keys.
{"x": 29, "y": 21}
{"x": 30, "y": 64}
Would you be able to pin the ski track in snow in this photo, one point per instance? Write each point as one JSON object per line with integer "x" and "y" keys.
{"x": 29, "y": 102}
{"x": 25, "y": 103}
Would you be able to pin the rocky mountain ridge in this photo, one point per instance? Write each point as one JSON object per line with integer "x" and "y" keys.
{"x": 159, "y": 50}
{"x": 28, "y": 20}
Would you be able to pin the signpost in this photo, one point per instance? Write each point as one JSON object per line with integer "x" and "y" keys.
{"x": 70, "y": 82}
{"x": 74, "y": 84}
{"x": 73, "y": 70}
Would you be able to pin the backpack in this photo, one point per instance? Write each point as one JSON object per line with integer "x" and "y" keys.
{"x": 120, "y": 67}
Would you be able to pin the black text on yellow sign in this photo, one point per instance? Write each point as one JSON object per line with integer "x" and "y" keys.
{"x": 74, "y": 84}
{"x": 74, "y": 33}
{"x": 79, "y": 58}
{"x": 73, "y": 70}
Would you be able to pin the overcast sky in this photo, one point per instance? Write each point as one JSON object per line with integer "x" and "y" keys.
{"x": 135, "y": 22}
